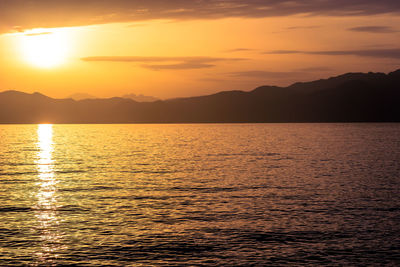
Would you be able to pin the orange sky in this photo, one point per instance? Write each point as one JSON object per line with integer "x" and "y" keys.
{"x": 166, "y": 55}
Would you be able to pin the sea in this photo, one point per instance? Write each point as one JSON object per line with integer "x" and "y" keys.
{"x": 200, "y": 195}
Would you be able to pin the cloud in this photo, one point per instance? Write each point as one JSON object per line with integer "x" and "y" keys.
{"x": 36, "y": 34}
{"x": 315, "y": 69}
{"x": 180, "y": 66}
{"x": 376, "y": 53}
{"x": 211, "y": 80}
{"x": 239, "y": 50}
{"x": 301, "y": 27}
{"x": 130, "y": 59}
{"x": 28, "y": 14}
{"x": 278, "y": 52}
{"x": 373, "y": 29}
{"x": 276, "y": 74}
{"x": 170, "y": 63}
{"x": 293, "y": 28}
{"x": 264, "y": 74}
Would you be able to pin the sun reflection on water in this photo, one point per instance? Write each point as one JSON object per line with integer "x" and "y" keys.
{"x": 46, "y": 210}
{"x": 45, "y": 161}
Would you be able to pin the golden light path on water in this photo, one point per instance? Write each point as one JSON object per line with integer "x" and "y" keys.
{"x": 46, "y": 210}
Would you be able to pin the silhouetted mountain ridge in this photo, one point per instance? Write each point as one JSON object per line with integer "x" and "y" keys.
{"x": 351, "y": 97}
{"x": 337, "y": 81}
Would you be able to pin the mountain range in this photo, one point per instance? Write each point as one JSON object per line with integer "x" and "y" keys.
{"x": 351, "y": 97}
{"x": 137, "y": 98}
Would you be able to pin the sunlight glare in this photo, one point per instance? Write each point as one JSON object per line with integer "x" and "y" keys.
{"x": 45, "y": 164}
{"x": 45, "y": 49}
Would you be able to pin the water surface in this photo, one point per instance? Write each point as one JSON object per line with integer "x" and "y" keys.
{"x": 205, "y": 194}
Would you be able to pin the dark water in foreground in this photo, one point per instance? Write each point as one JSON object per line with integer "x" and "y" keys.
{"x": 263, "y": 194}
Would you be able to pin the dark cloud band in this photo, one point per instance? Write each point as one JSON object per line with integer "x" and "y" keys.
{"x": 27, "y": 14}
{"x": 373, "y": 29}
{"x": 168, "y": 63}
{"x": 376, "y": 53}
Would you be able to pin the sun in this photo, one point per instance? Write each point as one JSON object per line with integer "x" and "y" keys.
{"x": 45, "y": 49}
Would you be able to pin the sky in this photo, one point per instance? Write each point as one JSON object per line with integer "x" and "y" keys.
{"x": 180, "y": 48}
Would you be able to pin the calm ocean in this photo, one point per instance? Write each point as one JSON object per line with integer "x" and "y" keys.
{"x": 201, "y": 194}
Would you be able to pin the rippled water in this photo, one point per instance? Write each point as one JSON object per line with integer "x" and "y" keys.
{"x": 264, "y": 194}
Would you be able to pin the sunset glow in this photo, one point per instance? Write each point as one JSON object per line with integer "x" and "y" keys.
{"x": 199, "y": 133}
{"x": 182, "y": 49}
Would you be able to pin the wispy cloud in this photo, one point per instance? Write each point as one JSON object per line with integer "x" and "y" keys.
{"x": 294, "y": 28}
{"x": 169, "y": 63}
{"x": 315, "y": 69}
{"x": 239, "y": 50}
{"x": 376, "y": 53}
{"x": 29, "y": 14}
{"x": 373, "y": 29}
{"x": 36, "y": 34}
{"x": 278, "y": 52}
{"x": 179, "y": 66}
{"x": 264, "y": 74}
{"x": 301, "y": 27}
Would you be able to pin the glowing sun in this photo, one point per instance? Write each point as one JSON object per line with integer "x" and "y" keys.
{"x": 45, "y": 49}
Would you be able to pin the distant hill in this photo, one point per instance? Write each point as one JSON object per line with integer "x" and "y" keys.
{"x": 352, "y": 97}
{"x": 140, "y": 98}
{"x": 81, "y": 96}
{"x": 137, "y": 98}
